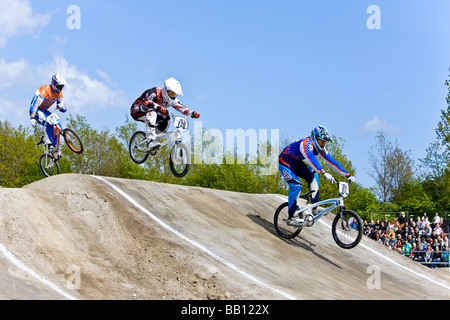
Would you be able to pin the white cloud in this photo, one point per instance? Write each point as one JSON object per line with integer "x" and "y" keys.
{"x": 13, "y": 73}
{"x": 376, "y": 124}
{"x": 17, "y": 18}
{"x": 84, "y": 94}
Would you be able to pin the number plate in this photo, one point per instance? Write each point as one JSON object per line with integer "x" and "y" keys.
{"x": 52, "y": 119}
{"x": 343, "y": 189}
{"x": 180, "y": 123}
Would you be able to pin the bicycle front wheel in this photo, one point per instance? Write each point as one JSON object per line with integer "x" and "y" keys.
{"x": 73, "y": 141}
{"x": 347, "y": 229}
{"x": 138, "y": 147}
{"x": 180, "y": 160}
{"x": 279, "y": 222}
{"x": 49, "y": 166}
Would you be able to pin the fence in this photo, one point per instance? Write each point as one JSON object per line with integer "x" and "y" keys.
{"x": 396, "y": 215}
{"x": 429, "y": 261}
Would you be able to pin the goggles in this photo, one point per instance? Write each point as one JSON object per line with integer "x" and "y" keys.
{"x": 171, "y": 94}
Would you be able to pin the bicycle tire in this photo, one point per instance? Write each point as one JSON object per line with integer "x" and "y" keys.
{"x": 279, "y": 222}
{"x": 180, "y": 150}
{"x": 45, "y": 161}
{"x": 136, "y": 155}
{"x": 340, "y": 233}
{"x": 73, "y": 141}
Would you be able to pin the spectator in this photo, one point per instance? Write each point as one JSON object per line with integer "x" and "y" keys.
{"x": 398, "y": 244}
{"x": 428, "y": 255}
{"x": 436, "y": 257}
{"x": 438, "y": 229}
{"x": 387, "y": 244}
{"x": 445, "y": 242}
{"x": 445, "y": 257}
{"x": 420, "y": 251}
{"x": 392, "y": 241}
{"x": 407, "y": 249}
{"x": 427, "y": 229}
{"x": 419, "y": 223}
{"x": 377, "y": 224}
{"x": 402, "y": 219}
{"x": 415, "y": 254}
{"x": 437, "y": 220}
{"x": 416, "y": 233}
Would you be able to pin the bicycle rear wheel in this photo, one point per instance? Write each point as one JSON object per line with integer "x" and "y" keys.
{"x": 138, "y": 148}
{"x": 73, "y": 141}
{"x": 49, "y": 166}
{"x": 180, "y": 160}
{"x": 279, "y": 222}
{"x": 347, "y": 229}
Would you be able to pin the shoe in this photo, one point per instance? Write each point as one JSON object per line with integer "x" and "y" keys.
{"x": 317, "y": 210}
{"x": 54, "y": 152}
{"x": 293, "y": 222}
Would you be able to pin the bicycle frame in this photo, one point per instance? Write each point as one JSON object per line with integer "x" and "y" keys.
{"x": 174, "y": 135}
{"x": 309, "y": 219}
{"x": 53, "y": 120}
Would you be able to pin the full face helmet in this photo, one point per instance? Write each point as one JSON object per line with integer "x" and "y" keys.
{"x": 320, "y": 132}
{"x": 58, "y": 83}
{"x": 171, "y": 89}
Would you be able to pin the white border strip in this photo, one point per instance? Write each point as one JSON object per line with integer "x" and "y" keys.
{"x": 19, "y": 264}
{"x": 384, "y": 257}
{"x": 194, "y": 243}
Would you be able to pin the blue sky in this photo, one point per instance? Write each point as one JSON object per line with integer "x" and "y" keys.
{"x": 286, "y": 65}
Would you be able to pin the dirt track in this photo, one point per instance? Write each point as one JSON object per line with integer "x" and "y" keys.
{"x": 76, "y": 237}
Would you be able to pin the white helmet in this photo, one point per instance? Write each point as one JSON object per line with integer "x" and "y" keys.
{"x": 171, "y": 89}
{"x": 58, "y": 83}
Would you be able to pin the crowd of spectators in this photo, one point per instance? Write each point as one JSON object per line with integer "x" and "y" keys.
{"x": 421, "y": 240}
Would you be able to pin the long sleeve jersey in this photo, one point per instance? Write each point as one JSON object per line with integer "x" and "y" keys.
{"x": 153, "y": 97}
{"x": 44, "y": 98}
{"x": 303, "y": 150}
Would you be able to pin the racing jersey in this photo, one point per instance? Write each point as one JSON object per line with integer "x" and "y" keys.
{"x": 45, "y": 97}
{"x": 303, "y": 150}
{"x": 151, "y": 99}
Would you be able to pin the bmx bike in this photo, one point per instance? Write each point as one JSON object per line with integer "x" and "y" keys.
{"x": 347, "y": 227}
{"x": 180, "y": 156}
{"x": 49, "y": 159}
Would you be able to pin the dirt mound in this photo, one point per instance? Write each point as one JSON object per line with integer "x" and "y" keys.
{"x": 83, "y": 237}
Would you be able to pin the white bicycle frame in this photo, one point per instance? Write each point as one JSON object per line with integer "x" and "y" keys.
{"x": 180, "y": 123}
{"x": 308, "y": 217}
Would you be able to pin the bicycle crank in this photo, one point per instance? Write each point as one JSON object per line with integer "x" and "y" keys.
{"x": 309, "y": 220}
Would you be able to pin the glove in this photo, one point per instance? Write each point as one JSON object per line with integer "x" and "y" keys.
{"x": 351, "y": 179}
{"x": 329, "y": 177}
{"x": 62, "y": 108}
{"x": 195, "y": 114}
{"x": 161, "y": 110}
{"x": 33, "y": 122}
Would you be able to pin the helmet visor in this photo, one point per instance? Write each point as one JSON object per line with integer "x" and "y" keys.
{"x": 171, "y": 94}
{"x": 324, "y": 135}
{"x": 59, "y": 87}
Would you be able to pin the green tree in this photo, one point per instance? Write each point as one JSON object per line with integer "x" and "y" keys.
{"x": 437, "y": 162}
{"x": 392, "y": 168}
{"x": 19, "y": 156}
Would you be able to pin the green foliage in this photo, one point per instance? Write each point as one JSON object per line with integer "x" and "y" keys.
{"x": 18, "y": 154}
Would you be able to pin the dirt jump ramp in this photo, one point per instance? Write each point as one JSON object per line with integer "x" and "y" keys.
{"x": 85, "y": 237}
